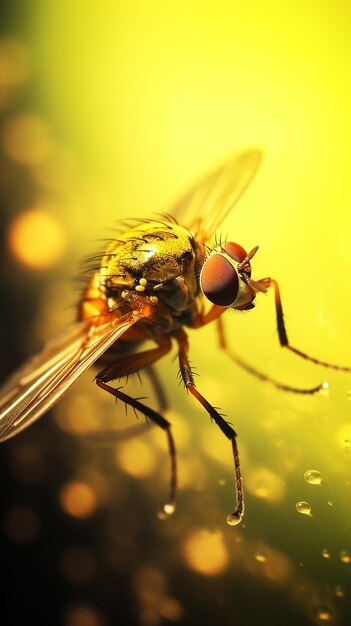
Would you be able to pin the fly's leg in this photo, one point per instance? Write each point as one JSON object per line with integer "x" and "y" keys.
{"x": 252, "y": 370}
{"x": 135, "y": 362}
{"x": 283, "y": 338}
{"x": 187, "y": 376}
{"x": 202, "y": 319}
{"x": 127, "y": 366}
{"x": 109, "y": 437}
{"x": 155, "y": 417}
{"x": 157, "y": 385}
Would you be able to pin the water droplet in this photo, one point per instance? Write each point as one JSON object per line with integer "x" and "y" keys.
{"x": 303, "y": 508}
{"x": 235, "y": 518}
{"x": 260, "y": 557}
{"x": 323, "y": 613}
{"x": 324, "y": 389}
{"x": 167, "y": 510}
{"x": 329, "y": 502}
{"x": 325, "y": 553}
{"x": 343, "y": 437}
{"x": 345, "y": 556}
{"x": 313, "y": 477}
{"x": 339, "y": 592}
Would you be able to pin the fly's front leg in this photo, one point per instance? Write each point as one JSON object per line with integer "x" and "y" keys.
{"x": 131, "y": 364}
{"x": 202, "y": 319}
{"x": 283, "y": 337}
{"x": 187, "y": 376}
{"x": 252, "y": 370}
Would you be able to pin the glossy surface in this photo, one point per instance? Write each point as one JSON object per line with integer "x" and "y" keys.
{"x": 219, "y": 280}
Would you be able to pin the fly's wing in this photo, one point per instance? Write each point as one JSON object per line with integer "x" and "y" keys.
{"x": 204, "y": 208}
{"x": 43, "y": 380}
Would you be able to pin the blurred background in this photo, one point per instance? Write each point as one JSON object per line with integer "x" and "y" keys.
{"x": 112, "y": 110}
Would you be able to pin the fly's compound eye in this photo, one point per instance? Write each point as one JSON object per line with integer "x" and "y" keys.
{"x": 238, "y": 254}
{"x": 235, "y": 251}
{"x": 219, "y": 281}
{"x": 225, "y": 277}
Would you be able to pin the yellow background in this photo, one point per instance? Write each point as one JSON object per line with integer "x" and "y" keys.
{"x": 152, "y": 94}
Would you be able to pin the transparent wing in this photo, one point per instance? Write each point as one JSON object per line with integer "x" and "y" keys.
{"x": 204, "y": 208}
{"x": 43, "y": 380}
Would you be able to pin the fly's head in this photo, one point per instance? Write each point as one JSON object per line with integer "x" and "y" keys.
{"x": 225, "y": 277}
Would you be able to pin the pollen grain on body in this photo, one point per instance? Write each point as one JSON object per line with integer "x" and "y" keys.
{"x": 142, "y": 284}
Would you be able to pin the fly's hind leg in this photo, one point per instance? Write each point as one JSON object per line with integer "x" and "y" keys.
{"x": 128, "y": 366}
{"x": 187, "y": 376}
{"x": 158, "y": 388}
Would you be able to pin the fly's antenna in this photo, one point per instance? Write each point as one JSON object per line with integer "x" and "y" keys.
{"x": 256, "y": 286}
{"x": 244, "y": 266}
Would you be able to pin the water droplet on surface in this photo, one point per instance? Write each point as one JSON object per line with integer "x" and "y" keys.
{"x": 166, "y": 511}
{"x": 169, "y": 509}
{"x": 313, "y": 477}
{"x": 304, "y": 508}
{"x": 343, "y": 437}
{"x": 344, "y": 556}
{"x": 325, "y": 553}
{"x": 235, "y": 518}
{"x": 324, "y": 389}
{"x": 329, "y": 502}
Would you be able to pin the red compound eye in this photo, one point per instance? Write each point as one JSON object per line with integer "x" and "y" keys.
{"x": 219, "y": 280}
{"x": 235, "y": 251}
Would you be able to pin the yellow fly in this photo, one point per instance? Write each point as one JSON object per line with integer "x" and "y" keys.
{"x": 152, "y": 283}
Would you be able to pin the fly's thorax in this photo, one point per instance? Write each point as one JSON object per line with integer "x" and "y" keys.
{"x": 155, "y": 258}
{"x": 225, "y": 277}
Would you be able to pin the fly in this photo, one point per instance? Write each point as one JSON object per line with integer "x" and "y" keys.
{"x": 153, "y": 282}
